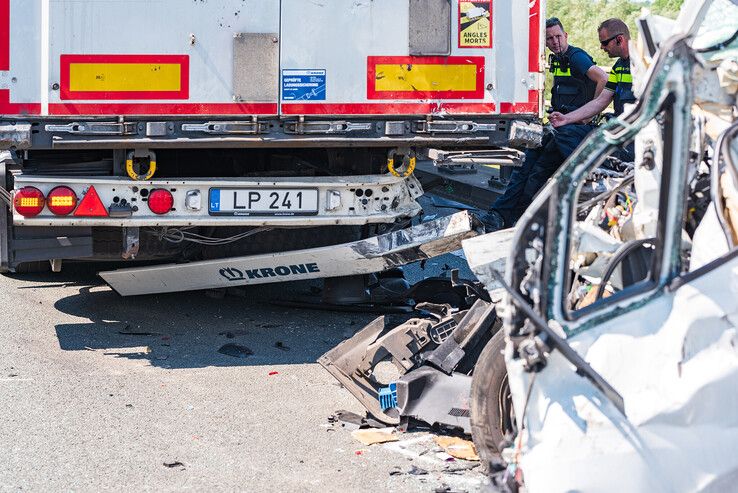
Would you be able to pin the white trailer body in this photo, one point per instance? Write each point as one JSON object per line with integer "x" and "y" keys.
{"x": 270, "y": 57}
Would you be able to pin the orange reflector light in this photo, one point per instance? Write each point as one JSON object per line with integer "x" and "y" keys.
{"x": 91, "y": 205}
{"x": 160, "y": 201}
{"x": 29, "y": 201}
{"x": 61, "y": 201}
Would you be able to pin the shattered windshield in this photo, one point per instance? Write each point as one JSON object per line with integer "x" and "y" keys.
{"x": 717, "y": 37}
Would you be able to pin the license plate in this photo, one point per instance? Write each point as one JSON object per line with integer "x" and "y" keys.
{"x": 263, "y": 201}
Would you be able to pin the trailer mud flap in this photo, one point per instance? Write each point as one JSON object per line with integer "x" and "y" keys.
{"x": 374, "y": 254}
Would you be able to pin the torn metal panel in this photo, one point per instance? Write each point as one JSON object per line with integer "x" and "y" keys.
{"x": 360, "y": 257}
{"x": 488, "y": 252}
{"x": 15, "y": 136}
{"x": 524, "y": 134}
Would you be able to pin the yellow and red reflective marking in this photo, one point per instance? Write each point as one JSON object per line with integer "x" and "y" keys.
{"x": 402, "y": 77}
{"x": 125, "y": 77}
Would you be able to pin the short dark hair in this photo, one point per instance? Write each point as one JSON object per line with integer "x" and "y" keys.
{"x": 554, "y": 21}
{"x": 613, "y": 26}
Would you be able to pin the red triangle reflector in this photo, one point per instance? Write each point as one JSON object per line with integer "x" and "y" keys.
{"x": 91, "y": 205}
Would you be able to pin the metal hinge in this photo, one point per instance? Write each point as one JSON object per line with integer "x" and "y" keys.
{"x": 95, "y": 128}
{"x": 226, "y": 128}
{"x": 339, "y": 127}
{"x": 452, "y": 127}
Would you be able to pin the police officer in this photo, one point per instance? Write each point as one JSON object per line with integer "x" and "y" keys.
{"x": 614, "y": 36}
{"x": 577, "y": 81}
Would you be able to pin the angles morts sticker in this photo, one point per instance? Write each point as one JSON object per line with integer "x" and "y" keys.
{"x": 475, "y": 23}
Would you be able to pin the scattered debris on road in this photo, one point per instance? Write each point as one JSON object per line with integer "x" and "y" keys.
{"x": 371, "y": 436}
{"x": 457, "y": 447}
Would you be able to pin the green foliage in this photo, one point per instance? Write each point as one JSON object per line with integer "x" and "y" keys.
{"x": 667, "y": 8}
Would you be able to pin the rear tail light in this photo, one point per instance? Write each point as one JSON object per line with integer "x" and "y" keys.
{"x": 29, "y": 201}
{"x": 61, "y": 201}
{"x": 160, "y": 201}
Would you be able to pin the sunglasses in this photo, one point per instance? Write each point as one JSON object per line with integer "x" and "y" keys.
{"x": 606, "y": 42}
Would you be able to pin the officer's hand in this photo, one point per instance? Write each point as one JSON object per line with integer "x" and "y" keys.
{"x": 557, "y": 119}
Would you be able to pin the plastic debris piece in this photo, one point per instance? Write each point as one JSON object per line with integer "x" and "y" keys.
{"x": 174, "y": 464}
{"x": 235, "y": 350}
{"x": 272, "y": 373}
{"x": 371, "y": 436}
{"x": 457, "y": 447}
{"x": 280, "y": 345}
{"x": 388, "y": 397}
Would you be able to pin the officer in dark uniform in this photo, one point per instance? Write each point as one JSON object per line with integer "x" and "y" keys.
{"x": 614, "y": 36}
{"x": 577, "y": 81}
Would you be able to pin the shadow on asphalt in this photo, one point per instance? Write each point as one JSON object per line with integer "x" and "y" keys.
{"x": 187, "y": 330}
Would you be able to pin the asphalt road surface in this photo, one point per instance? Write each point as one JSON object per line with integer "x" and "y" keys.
{"x": 101, "y": 392}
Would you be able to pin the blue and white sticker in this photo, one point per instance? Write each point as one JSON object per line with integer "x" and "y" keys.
{"x": 303, "y": 85}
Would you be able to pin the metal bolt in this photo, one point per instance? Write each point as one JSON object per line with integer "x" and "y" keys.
{"x": 55, "y": 86}
{"x": 490, "y": 86}
{"x": 275, "y": 40}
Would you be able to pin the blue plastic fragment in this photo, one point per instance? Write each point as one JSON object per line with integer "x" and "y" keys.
{"x": 388, "y": 397}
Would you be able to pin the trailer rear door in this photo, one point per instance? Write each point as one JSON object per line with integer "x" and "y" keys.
{"x": 266, "y": 57}
{"x": 410, "y": 57}
{"x": 128, "y": 57}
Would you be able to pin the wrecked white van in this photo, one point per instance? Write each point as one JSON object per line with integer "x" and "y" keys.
{"x": 621, "y": 315}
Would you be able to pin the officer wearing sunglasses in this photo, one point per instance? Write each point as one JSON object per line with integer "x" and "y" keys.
{"x": 614, "y": 36}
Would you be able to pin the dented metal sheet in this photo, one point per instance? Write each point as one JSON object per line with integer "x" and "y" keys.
{"x": 15, "y": 136}
{"x": 488, "y": 252}
{"x": 360, "y": 257}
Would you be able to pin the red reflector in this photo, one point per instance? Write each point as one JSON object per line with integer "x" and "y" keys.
{"x": 61, "y": 201}
{"x": 91, "y": 205}
{"x": 29, "y": 201}
{"x": 160, "y": 201}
